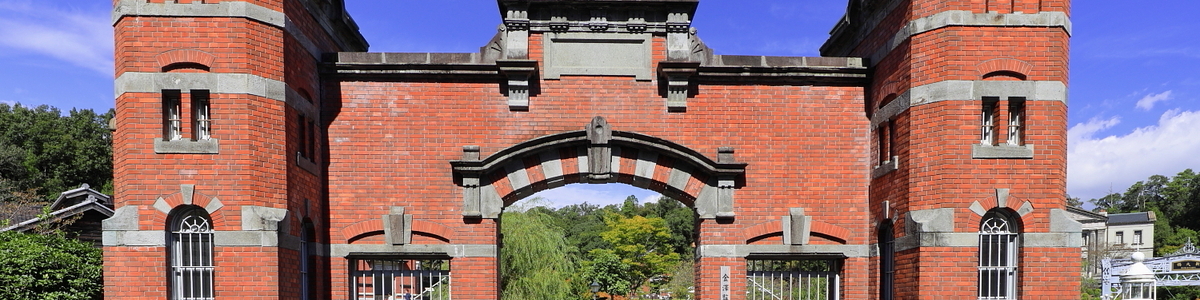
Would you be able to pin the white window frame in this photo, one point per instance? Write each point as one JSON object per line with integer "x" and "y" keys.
{"x": 191, "y": 255}
{"x": 201, "y": 115}
{"x": 1137, "y": 237}
{"x": 988, "y": 121}
{"x": 1016, "y": 121}
{"x": 172, "y": 115}
{"x": 998, "y": 259}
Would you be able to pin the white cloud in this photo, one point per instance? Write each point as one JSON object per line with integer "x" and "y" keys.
{"x": 83, "y": 39}
{"x": 1085, "y": 131}
{"x": 8, "y": 102}
{"x": 1098, "y": 164}
{"x": 1147, "y": 102}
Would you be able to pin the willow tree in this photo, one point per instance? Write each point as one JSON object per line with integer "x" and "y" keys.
{"x": 535, "y": 260}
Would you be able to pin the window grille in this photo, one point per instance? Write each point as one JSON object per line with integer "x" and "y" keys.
{"x": 201, "y": 115}
{"x": 1137, "y": 237}
{"x": 1016, "y": 121}
{"x": 885, "y": 142}
{"x": 192, "y": 256}
{"x": 793, "y": 279}
{"x": 172, "y": 120}
{"x": 988, "y": 123}
{"x": 997, "y": 258}
{"x": 887, "y": 261}
{"x": 307, "y": 281}
{"x": 400, "y": 279}
{"x": 1120, "y": 238}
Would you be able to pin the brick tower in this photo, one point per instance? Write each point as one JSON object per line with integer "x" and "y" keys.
{"x": 216, "y": 158}
{"x": 968, "y": 115}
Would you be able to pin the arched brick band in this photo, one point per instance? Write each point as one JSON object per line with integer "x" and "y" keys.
{"x": 598, "y": 155}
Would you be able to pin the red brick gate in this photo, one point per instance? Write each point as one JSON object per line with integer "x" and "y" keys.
{"x": 322, "y": 168}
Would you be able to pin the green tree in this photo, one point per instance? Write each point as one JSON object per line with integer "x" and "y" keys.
{"x": 48, "y": 266}
{"x": 535, "y": 261}
{"x": 643, "y": 246}
{"x": 42, "y": 149}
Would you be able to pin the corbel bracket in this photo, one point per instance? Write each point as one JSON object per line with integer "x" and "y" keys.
{"x": 678, "y": 76}
{"x": 470, "y": 183}
{"x": 520, "y": 74}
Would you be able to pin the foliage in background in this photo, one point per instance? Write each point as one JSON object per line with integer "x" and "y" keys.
{"x": 48, "y": 266}
{"x": 619, "y": 247}
{"x": 643, "y": 246}
{"x": 537, "y": 262}
{"x": 42, "y": 149}
{"x": 1175, "y": 202}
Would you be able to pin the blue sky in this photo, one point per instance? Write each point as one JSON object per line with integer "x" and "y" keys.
{"x": 1134, "y": 92}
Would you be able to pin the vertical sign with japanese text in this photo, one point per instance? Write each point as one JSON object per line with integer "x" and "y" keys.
{"x": 725, "y": 283}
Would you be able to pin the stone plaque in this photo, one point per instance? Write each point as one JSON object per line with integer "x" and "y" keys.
{"x": 606, "y": 54}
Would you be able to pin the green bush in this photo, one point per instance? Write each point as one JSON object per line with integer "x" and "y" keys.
{"x": 49, "y": 266}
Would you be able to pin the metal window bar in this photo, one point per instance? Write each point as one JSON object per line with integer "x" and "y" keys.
{"x": 399, "y": 279}
{"x": 887, "y": 262}
{"x": 988, "y": 122}
{"x": 172, "y": 119}
{"x": 202, "y": 117}
{"x": 793, "y": 280}
{"x": 192, "y": 265}
{"x": 1016, "y": 122}
{"x": 997, "y": 260}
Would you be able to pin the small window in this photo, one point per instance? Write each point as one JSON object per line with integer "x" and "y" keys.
{"x": 1120, "y": 238}
{"x": 311, "y": 138}
{"x": 307, "y": 137}
{"x": 988, "y": 121}
{"x": 1137, "y": 237}
{"x": 997, "y": 257}
{"x": 886, "y": 133}
{"x": 171, "y": 116}
{"x": 386, "y": 279}
{"x": 1016, "y": 121}
{"x": 799, "y": 279}
{"x": 191, "y": 254}
{"x": 201, "y": 115}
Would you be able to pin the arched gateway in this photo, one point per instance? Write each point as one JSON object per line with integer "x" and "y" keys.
{"x": 329, "y": 172}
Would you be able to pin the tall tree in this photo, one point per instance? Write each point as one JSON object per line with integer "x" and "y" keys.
{"x": 42, "y": 149}
{"x": 643, "y": 246}
{"x": 535, "y": 260}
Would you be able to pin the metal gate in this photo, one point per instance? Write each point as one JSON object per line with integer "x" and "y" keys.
{"x": 793, "y": 279}
{"x": 399, "y": 279}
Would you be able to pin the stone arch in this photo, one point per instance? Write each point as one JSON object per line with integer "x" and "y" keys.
{"x": 598, "y": 154}
{"x": 1001, "y": 199}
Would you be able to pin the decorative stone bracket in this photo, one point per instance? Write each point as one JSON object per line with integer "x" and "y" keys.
{"x": 397, "y": 226}
{"x": 678, "y": 78}
{"x": 797, "y": 227}
{"x": 599, "y": 152}
{"x": 520, "y": 74}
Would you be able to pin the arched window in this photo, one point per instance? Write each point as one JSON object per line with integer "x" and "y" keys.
{"x": 887, "y": 261}
{"x": 190, "y": 251}
{"x": 997, "y": 257}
